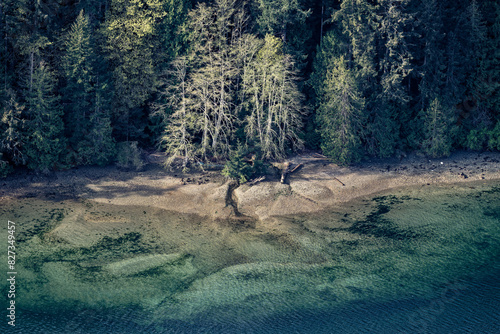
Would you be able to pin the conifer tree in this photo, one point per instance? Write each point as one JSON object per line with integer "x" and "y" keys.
{"x": 474, "y": 87}
{"x": 44, "y": 139}
{"x": 173, "y": 35}
{"x": 359, "y": 22}
{"x": 390, "y": 107}
{"x": 78, "y": 72}
{"x": 11, "y": 138}
{"x": 358, "y": 19}
{"x": 131, "y": 35}
{"x": 87, "y": 107}
{"x": 30, "y": 22}
{"x": 438, "y": 121}
{"x": 334, "y": 44}
{"x": 340, "y": 115}
{"x": 236, "y": 167}
{"x": 493, "y": 66}
{"x": 285, "y": 19}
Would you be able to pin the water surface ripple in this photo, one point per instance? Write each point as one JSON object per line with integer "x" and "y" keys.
{"x": 414, "y": 260}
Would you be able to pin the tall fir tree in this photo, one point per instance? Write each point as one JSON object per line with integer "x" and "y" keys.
{"x": 341, "y": 114}
{"x": 44, "y": 141}
{"x": 285, "y": 19}
{"x": 390, "y": 109}
{"x": 131, "y": 37}
{"x": 87, "y": 107}
{"x": 472, "y": 37}
{"x": 172, "y": 30}
{"x": 11, "y": 130}
{"x": 78, "y": 73}
{"x": 359, "y": 22}
{"x": 438, "y": 121}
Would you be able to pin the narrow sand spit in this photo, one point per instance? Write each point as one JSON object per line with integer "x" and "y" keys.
{"x": 317, "y": 185}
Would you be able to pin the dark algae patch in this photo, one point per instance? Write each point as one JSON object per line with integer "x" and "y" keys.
{"x": 376, "y": 225}
{"x": 107, "y": 249}
{"x": 172, "y": 268}
{"x": 42, "y": 225}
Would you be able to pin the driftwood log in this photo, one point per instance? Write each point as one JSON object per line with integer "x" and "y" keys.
{"x": 257, "y": 180}
{"x": 343, "y": 185}
{"x": 286, "y": 170}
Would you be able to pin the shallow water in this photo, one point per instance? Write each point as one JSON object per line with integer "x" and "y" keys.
{"x": 417, "y": 260}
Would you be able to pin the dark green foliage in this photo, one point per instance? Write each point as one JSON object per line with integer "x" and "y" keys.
{"x": 87, "y": 107}
{"x": 286, "y": 20}
{"x": 240, "y": 167}
{"x": 494, "y": 138}
{"x": 390, "y": 106}
{"x": 128, "y": 155}
{"x": 11, "y": 127}
{"x": 172, "y": 30}
{"x": 333, "y": 46}
{"x": 130, "y": 30}
{"x": 44, "y": 139}
{"x": 78, "y": 76}
{"x": 99, "y": 146}
{"x": 477, "y": 139}
{"x": 340, "y": 115}
{"x": 78, "y": 70}
{"x": 438, "y": 128}
{"x": 5, "y": 169}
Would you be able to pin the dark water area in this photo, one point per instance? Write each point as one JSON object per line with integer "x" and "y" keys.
{"x": 416, "y": 260}
{"x": 461, "y": 307}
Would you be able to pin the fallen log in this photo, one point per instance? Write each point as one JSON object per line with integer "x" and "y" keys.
{"x": 343, "y": 185}
{"x": 257, "y": 180}
{"x": 295, "y": 168}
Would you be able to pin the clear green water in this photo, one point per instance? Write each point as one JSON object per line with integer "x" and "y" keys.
{"x": 418, "y": 260}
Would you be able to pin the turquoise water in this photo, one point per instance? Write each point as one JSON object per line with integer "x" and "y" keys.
{"x": 416, "y": 260}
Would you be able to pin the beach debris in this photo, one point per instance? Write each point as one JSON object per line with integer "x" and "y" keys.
{"x": 295, "y": 168}
{"x": 342, "y": 183}
{"x": 321, "y": 156}
{"x": 286, "y": 166}
{"x": 286, "y": 170}
{"x": 256, "y": 180}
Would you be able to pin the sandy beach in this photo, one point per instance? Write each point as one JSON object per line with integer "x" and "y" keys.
{"x": 317, "y": 185}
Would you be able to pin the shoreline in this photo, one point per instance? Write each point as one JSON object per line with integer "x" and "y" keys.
{"x": 313, "y": 188}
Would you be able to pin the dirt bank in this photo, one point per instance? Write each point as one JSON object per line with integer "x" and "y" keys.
{"x": 318, "y": 185}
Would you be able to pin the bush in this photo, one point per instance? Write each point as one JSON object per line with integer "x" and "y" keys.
{"x": 5, "y": 168}
{"x": 494, "y": 140}
{"x": 128, "y": 155}
{"x": 476, "y": 139}
{"x": 89, "y": 154}
{"x": 241, "y": 168}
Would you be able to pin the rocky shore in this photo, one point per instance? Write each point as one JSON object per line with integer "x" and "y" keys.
{"x": 317, "y": 185}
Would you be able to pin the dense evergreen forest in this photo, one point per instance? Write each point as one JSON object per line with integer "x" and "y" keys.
{"x": 93, "y": 82}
